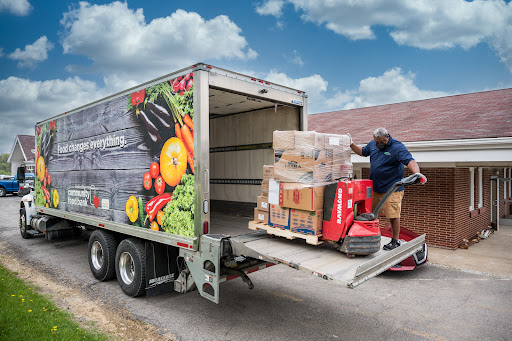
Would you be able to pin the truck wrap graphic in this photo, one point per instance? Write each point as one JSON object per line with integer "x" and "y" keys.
{"x": 129, "y": 159}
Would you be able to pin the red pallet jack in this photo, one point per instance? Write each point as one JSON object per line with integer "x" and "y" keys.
{"x": 349, "y": 221}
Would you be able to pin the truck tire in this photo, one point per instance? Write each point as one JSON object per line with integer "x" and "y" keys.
{"x": 3, "y": 192}
{"x": 131, "y": 267}
{"x": 23, "y": 225}
{"x": 102, "y": 255}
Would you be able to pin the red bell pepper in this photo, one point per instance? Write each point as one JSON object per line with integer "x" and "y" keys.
{"x": 156, "y": 204}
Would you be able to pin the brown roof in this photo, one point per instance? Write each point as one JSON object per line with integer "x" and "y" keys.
{"x": 476, "y": 115}
{"x": 28, "y": 144}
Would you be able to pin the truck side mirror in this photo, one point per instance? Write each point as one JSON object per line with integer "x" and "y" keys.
{"x": 20, "y": 175}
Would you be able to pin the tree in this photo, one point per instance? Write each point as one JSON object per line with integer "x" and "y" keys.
{"x": 5, "y": 167}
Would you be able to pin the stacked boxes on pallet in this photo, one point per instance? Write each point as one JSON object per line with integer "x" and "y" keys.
{"x": 305, "y": 161}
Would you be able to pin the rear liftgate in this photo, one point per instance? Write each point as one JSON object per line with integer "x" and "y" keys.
{"x": 324, "y": 261}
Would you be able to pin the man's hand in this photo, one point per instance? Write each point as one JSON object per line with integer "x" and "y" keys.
{"x": 350, "y": 139}
{"x": 423, "y": 178}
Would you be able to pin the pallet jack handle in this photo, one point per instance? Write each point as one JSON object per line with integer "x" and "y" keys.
{"x": 413, "y": 179}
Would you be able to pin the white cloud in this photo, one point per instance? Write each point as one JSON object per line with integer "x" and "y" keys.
{"x": 297, "y": 58}
{"x": 16, "y": 7}
{"x": 126, "y": 49}
{"x": 32, "y": 54}
{"x": 314, "y": 86}
{"x": 426, "y": 24}
{"x": 393, "y": 86}
{"x": 270, "y": 7}
{"x": 26, "y": 102}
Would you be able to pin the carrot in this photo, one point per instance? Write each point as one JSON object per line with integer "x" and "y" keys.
{"x": 190, "y": 159}
{"x": 188, "y": 121}
{"x": 188, "y": 139}
{"x": 177, "y": 129}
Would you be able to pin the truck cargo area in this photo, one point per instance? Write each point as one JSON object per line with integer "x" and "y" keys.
{"x": 241, "y": 130}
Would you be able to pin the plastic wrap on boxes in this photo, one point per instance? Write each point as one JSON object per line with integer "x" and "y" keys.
{"x": 311, "y": 158}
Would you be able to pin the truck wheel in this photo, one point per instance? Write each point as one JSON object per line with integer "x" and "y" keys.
{"x": 102, "y": 253}
{"x": 3, "y": 192}
{"x": 23, "y": 225}
{"x": 131, "y": 267}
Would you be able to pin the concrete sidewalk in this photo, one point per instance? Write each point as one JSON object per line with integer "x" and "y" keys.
{"x": 492, "y": 255}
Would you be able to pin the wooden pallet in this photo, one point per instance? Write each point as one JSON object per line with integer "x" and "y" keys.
{"x": 310, "y": 239}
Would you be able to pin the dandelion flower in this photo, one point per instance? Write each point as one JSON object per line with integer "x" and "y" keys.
{"x": 30, "y": 311}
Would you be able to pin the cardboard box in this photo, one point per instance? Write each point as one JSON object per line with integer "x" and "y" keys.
{"x": 262, "y": 203}
{"x": 300, "y": 196}
{"x": 309, "y": 140}
{"x": 261, "y": 216}
{"x": 302, "y": 165}
{"x": 264, "y": 188}
{"x": 268, "y": 173}
{"x": 283, "y": 139}
{"x": 306, "y": 222}
{"x": 341, "y": 163}
{"x": 279, "y": 217}
{"x": 334, "y": 141}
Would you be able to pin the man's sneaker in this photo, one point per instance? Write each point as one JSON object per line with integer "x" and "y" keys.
{"x": 392, "y": 244}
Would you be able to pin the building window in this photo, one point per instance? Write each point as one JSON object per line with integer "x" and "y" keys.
{"x": 471, "y": 188}
{"x": 510, "y": 182}
{"x": 480, "y": 188}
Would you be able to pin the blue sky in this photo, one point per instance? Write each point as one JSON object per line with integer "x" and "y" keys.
{"x": 58, "y": 55}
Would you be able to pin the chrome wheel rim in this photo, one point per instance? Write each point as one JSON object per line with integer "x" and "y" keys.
{"x": 97, "y": 255}
{"x": 126, "y": 268}
{"x": 22, "y": 223}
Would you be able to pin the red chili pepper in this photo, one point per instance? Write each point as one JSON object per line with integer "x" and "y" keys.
{"x": 138, "y": 97}
{"x": 156, "y": 204}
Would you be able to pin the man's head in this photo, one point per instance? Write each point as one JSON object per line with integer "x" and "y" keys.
{"x": 381, "y": 138}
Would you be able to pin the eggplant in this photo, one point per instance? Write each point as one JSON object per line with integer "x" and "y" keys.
{"x": 152, "y": 130}
{"x": 160, "y": 114}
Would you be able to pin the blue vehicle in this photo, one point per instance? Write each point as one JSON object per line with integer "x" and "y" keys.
{"x": 12, "y": 185}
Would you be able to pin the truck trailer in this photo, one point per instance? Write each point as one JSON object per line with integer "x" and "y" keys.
{"x": 160, "y": 174}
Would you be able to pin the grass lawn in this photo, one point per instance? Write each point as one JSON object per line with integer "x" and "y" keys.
{"x": 27, "y": 315}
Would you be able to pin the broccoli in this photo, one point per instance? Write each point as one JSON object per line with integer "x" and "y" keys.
{"x": 179, "y": 212}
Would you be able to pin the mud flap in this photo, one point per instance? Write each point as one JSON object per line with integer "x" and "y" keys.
{"x": 161, "y": 268}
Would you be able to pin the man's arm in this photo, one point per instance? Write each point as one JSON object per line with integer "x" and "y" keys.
{"x": 413, "y": 166}
{"x": 357, "y": 149}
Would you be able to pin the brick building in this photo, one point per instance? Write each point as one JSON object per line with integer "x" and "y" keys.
{"x": 463, "y": 144}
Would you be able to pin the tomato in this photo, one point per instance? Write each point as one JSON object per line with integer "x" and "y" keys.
{"x": 189, "y": 84}
{"x": 138, "y": 97}
{"x": 46, "y": 173}
{"x": 147, "y": 181}
{"x": 154, "y": 170}
{"x": 154, "y": 226}
{"x": 52, "y": 125}
{"x": 49, "y": 179}
{"x": 159, "y": 217}
{"x": 132, "y": 209}
{"x": 160, "y": 185}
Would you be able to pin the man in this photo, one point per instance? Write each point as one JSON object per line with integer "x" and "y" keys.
{"x": 387, "y": 159}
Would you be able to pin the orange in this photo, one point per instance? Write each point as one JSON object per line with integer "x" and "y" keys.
{"x": 154, "y": 226}
{"x": 173, "y": 161}
{"x": 40, "y": 169}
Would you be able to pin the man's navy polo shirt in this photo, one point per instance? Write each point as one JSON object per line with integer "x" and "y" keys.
{"x": 387, "y": 165}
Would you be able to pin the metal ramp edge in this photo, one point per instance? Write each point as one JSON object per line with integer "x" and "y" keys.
{"x": 323, "y": 261}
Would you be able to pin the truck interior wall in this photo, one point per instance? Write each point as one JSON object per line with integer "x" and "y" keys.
{"x": 241, "y": 131}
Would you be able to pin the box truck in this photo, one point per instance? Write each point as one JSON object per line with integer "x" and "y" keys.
{"x": 158, "y": 174}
